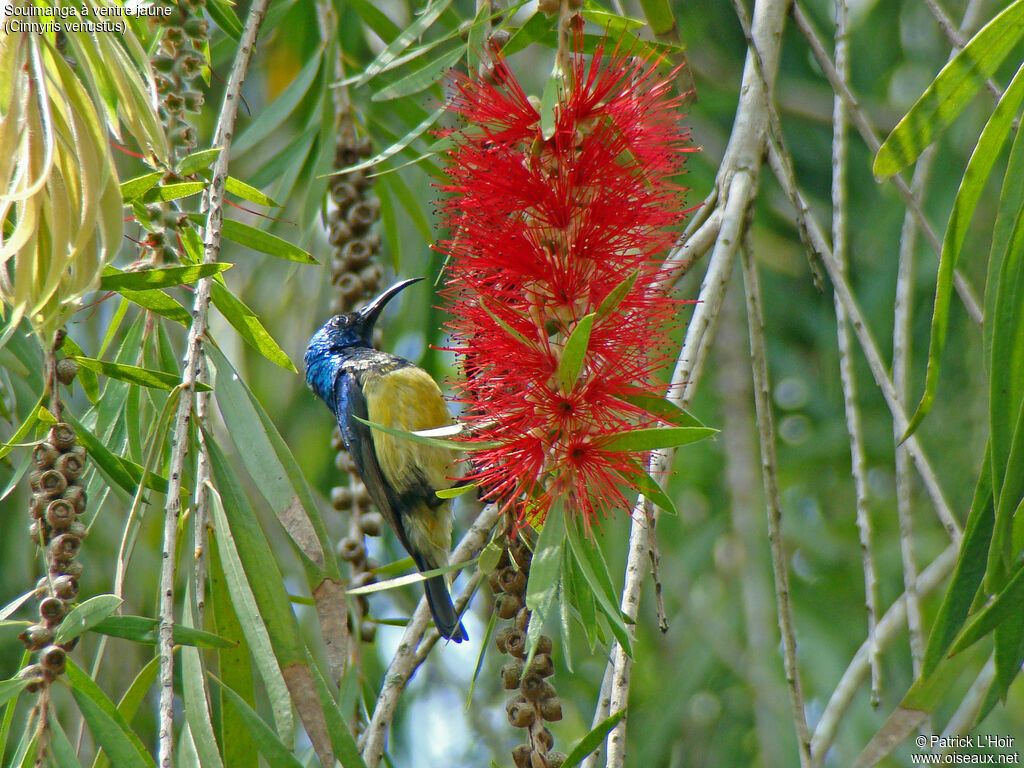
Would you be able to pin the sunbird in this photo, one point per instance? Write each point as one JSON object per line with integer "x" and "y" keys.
{"x": 402, "y": 477}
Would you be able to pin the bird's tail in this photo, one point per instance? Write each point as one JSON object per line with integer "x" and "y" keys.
{"x": 441, "y": 608}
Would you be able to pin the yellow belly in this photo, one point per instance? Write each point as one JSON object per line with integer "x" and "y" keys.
{"x": 408, "y": 399}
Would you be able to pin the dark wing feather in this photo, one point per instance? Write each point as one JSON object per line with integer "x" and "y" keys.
{"x": 358, "y": 439}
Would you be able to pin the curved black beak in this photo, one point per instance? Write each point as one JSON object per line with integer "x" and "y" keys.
{"x": 368, "y": 315}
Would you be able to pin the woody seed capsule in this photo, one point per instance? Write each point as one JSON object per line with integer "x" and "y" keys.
{"x": 62, "y": 436}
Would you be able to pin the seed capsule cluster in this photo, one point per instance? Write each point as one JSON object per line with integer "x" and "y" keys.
{"x": 58, "y": 502}
{"x": 355, "y": 278}
{"x": 353, "y": 272}
{"x": 177, "y": 63}
{"x": 534, "y": 700}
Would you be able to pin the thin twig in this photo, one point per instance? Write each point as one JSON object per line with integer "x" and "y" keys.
{"x": 858, "y": 462}
{"x": 682, "y": 389}
{"x": 902, "y": 312}
{"x": 867, "y": 132}
{"x": 405, "y": 662}
{"x": 782, "y": 166}
{"x": 889, "y": 628}
{"x": 735, "y": 186}
{"x": 773, "y": 501}
{"x": 966, "y": 715}
{"x": 956, "y": 36}
{"x": 734, "y": 386}
{"x": 213, "y": 204}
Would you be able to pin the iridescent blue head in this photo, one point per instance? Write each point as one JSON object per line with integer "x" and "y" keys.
{"x": 340, "y": 335}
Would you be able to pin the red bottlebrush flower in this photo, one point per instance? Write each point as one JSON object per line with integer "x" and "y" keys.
{"x": 543, "y": 230}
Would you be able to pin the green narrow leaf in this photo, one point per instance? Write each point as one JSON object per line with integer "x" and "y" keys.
{"x": 224, "y": 16}
{"x": 1008, "y": 639}
{"x": 657, "y": 437}
{"x": 124, "y": 472}
{"x": 88, "y": 380}
{"x": 141, "y": 629}
{"x": 650, "y": 489}
{"x": 247, "y": 192}
{"x": 258, "y": 240}
{"x": 1008, "y": 602}
{"x": 197, "y": 161}
{"x": 159, "y": 303}
{"x": 615, "y": 25}
{"x": 110, "y": 730}
{"x": 546, "y": 571}
{"x": 11, "y": 688}
{"x": 436, "y": 442}
{"x": 413, "y": 32}
{"x": 548, "y": 104}
{"x": 275, "y": 113}
{"x": 435, "y": 68}
{"x": 595, "y": 573}
{"x": 249, "y": 327}
{"x": 573, "y": 354}
{"x": 63, "y": 754}
{"x": 967, "y": 575}
{"x": 951, "y": 91}
{"x": 395, "y": 147}
{"x": 375, "y": 19}
{"x": 234, "y": 666}
{"x": 455, "y": 491}
{"x": 134, "y": 375}
{"x": 273, "y": 468}
{"x": 592, "y": 740}
{"x": 664, "y": 409}
{"x": 345, "y": 748}
{"x": 485, "y": 643}
{"x": 23, "y": 431}
{"x": 535, "y": 27}
{"x": 411, "y": 206}
{"x": 15, "y": 604}
{"x": 979, "y": 167}
{"x": 616, "y": 295}
{"x": 268, "y": 743}
{"x": 659, "y": 15}
{"x": 85, "y": 616}
{"x": 194, "y": 697}
{"x": 137, "y": 187}
{"x": 169, "y": 192}
{"x": 163, "y": 277}
{"x": 244, "y": 602}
